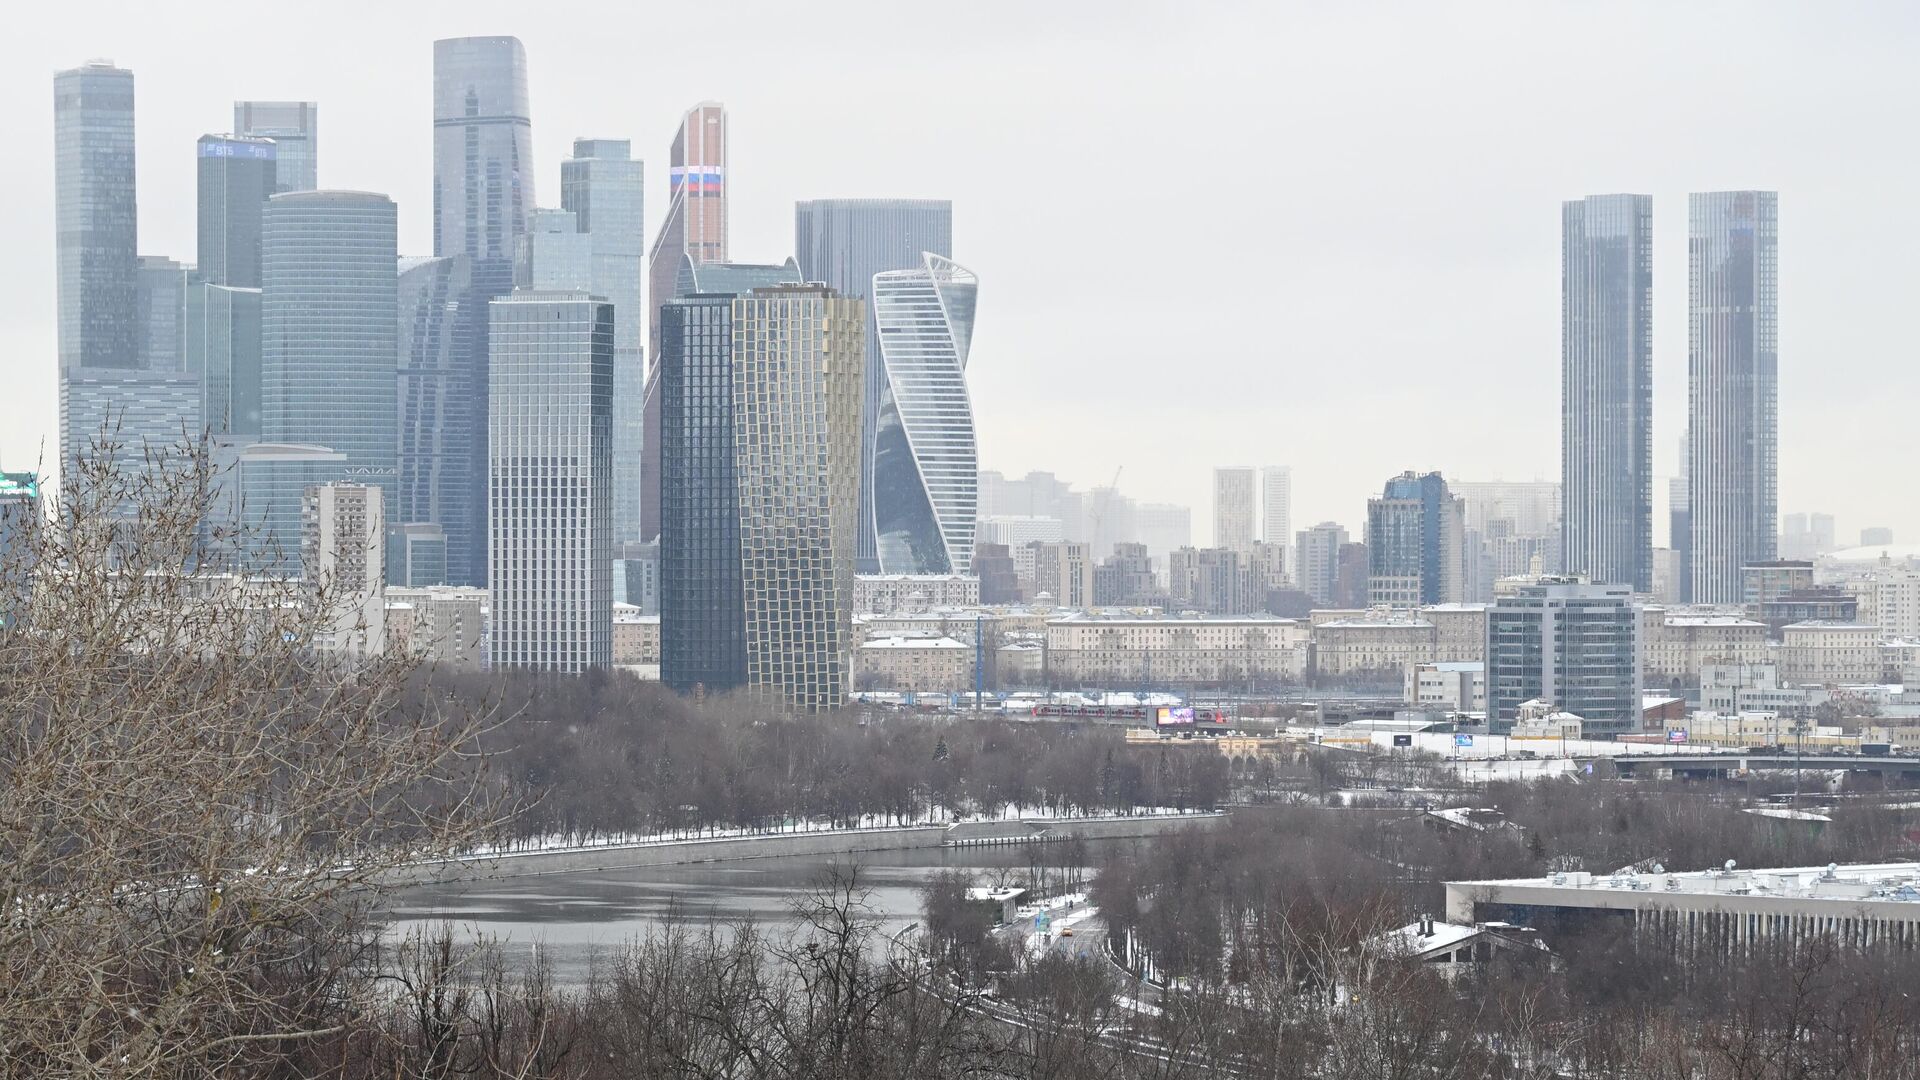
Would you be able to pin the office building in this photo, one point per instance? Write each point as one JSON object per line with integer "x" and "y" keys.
{"x": 1606, "y": 373}
{"x": 695, "y": 224}
{"x": 1317, "y": 559}
{"x": 925, "y": 466}
{"x": 1680, "y": 535}
{"x": 999, "y": 575}
{"x": 759, "y": 399}
{"x": 483, "y": 194}
{"x": 435, "y": 411}
{"x": 236, "y": 177}
{"x": 694, "y": 278}
{"x": 1276, "y": 505}
{"x": 604, "y": 187}
{"x": 550, "y": 481}
{"x": 1570, "y": 643}
{"x": 1416, "y": 543}
{"x": 222, "y": 343}
{"x": 703, "y": 629}
{"x": 416, "y": 555}
{"x": 1234, "y": 503}
{"x": 844, "y": 243}
{"x": 329, "y": 290}
{"x": 1447, "y": 685}
{"x": 160, "y": 303}
{"x": 1733, "y": 376}
{"x": 797, "y": 373}
{"x": 636, "y": 575}
{"x": 553, "y": 255}
{"x": 294, "y": 127}
{"x": 96, "y": 264}
{"x": 342, "y": 554}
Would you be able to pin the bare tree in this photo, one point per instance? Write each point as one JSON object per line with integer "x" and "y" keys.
{"x": 198, "y": 805}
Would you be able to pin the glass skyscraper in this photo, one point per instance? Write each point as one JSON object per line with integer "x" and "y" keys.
{"x": 703, "y": 635}
{"x": 483, "y": 194}
{"x": 294, "y": 127}
{"x": 329, "y": 290}
{"x": 1571, "y": 644}
{"x": 95, "y": 226}
{"x": 436, "y": 436}
{"x": 604, "y": 188}
{"x": 696, "y": 218}
{"x": 223, "y": 340}
{"x": 1606, "y": 381}
{"x": 550, "y": 481}
{"x": 844, "y": 242}
{"x": 926, "y": 464}
{"x": 236, "y": 178}
{"x": 161, "y": 298}
{"x": 1733, "y": 387}
{"x": 1416, "y": 537}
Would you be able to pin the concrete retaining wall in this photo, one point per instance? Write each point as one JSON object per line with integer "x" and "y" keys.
{"x": 835, "y": 842}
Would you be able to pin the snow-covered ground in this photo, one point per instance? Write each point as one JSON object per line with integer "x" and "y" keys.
{"x": 1485, "y": 747}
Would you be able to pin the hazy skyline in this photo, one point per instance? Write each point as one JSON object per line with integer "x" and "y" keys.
{"x": 1318, "y": 235}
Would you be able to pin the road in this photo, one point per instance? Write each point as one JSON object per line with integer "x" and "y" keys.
{"x": 1089, "y": 930}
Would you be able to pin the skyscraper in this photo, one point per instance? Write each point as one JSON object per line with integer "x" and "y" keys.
{"x": 1233, "y": 507}
{"x": 1606, "y": 388}
{"x": 1571, "y": 644}
{"x": 695, "y": 224}
{"x": 161, "y": 299}
{"x": 844, "y": 243}
{"x": 1416, "y": 543}
{"x": 1276, "y": 504}
{"x": 483, "y": 194}
{"x": 1733, "y": 384}
{"x": 1680, "y": 523}
{"x": 329, "y": 290}
{"x": 693, "y": 278}
{"x": 97, "y": 267}
{"x": 294, "y": 127}
{"x": 550, "y": 481}
{"x": 553, "y": 254}
{"x": 799, "y": 360}
{"x": 926, "y": 464}
{"x": 703, "y": 632}
{"x": 236, "y": 178}
{"x": 223, "y": 342}
{"x": 436, "y": 437}
{"x": 604, "y": 187}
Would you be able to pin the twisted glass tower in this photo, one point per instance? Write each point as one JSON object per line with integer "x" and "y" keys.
{"x": 926, "y": 465}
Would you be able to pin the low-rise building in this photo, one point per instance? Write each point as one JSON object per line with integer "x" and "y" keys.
{"x": 1459, "y": 631}
{"x": 1450, "y": 685}
{"x": 441, "y": 624}
{"x": 886, "y": 594}
{"x": 1677, "y": 644}
{"x": 636, "y": 638}
{"x": 1127, "y": 650}
{"x": 1829, "y": 653}
{"x": 1380, "y": 643}
{"x": 915, "y": 665}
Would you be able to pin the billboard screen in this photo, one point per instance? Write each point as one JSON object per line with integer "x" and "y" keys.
{"x": 1174, "y": 716}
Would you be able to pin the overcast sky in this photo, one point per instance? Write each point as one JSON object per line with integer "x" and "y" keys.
{"x": 1323, "y": 235}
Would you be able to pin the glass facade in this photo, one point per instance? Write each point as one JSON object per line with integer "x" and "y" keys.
{"x": 162, "y": 300}
{"x": 223, "y": 346}
{"x": 1733, "y": 384}
{"x": 550, "y": 481}
{"x": 1606, "y": 372}
{"x": 435, "y": 410}
{"x": 236, "y": 178}
{"x": 605, "y": 190}
{"x": 1570, "y": 644}
{"x": 844, "y": 243}
{"x": 328, "y": 364}
{"x": 696, "y": 220}
{"x": 1415, "y": 543}
{"x": 798, "y": 366}
{"x": 926, "y": 464}
{"x": 703, "y": 634}
{"x": 483, "y": 194}
{"x": 294, "y": 127}
{"x": 96, "y": 234}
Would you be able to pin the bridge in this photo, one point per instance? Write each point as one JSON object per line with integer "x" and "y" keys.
{"x": 1733, "y": 762}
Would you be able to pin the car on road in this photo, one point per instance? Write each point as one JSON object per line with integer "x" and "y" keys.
{"x": 1066, "y": 931}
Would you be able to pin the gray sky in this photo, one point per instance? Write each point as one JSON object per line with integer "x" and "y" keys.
{"x": 1321, "y": 234}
